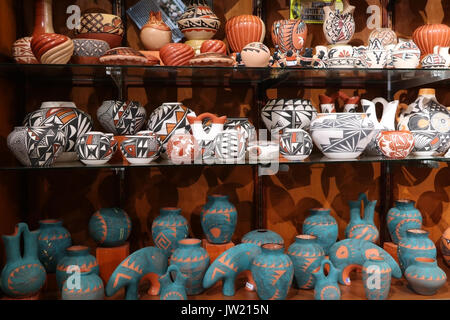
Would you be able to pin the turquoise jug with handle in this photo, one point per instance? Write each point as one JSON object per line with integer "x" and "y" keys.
{"x": 327, "y": 287}
{"x": 362, "y": 227}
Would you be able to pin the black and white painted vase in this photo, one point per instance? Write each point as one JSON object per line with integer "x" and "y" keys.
{"x": 121, "y": 117}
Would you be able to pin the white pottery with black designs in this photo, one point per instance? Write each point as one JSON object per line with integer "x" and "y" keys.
{"x": 243, "y": 124}
{"x": 433, "y": 61}
{"x": 425, "y": 142}
{"x": 73, "y": 121}
{"x": 444, "y": 145}
{"x": 121, "y": 117}
{"x": 339, "y": 26}
{"x": 288, "y": 114}
{"x": 198, "y": 22}
{"x": 89, "y": 47}
{"x": 95, "y": 148}
{"x": 376, "y": 55}
{"x": 140, "y": 149}
{"x": 342, "y": 135}
{"x": 295, "y": 144}
{"x": 230, "y": 146}
{"x": 406, "y": 55}
{"x": 37, "y": 146}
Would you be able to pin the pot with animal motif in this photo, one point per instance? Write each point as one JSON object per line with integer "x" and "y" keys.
{"x": 89, "y": 287}
{"x": 169, "y": 228}
{"x": 183, "y": 148}
{"x": 376, "y": 276}
{"x": 430, "y": 35}
{"x": 339, "y": 27}
{"x": 218, "y": 219}
{"x": 323, "y": 225}
{"x": 289, "y": 35}
{"x": 395, "y": 144}
{"x": 155, "y": 33}
{"x": 402, "y": 217}
{"x": 176, "y": 54}
{"x": 424, "y": 276}
{"x": 255, "y": 54}
{"x": 101, "y": 26}
{"x": 121, "y": 117}
{"x": 414, "y": 244}
{"x": 244, "y": 29}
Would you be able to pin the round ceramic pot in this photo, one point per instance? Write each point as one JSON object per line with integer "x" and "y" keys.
{"x": 52, "y": 48}
{"x": 89, "y": 49}
{"x": 424, "y": 276}
{"x": 395, "y": 144}
{"x": 183, "y": 148}
{"x": 73, "y": 121}
{"x": 323, "y": 225}
{"x": 53, "y": 240}
{"x": 295, "y": 144}
{"x": 37, "y": 146}
{"x": 342, "y": 135}
{"x": 406, "y": 55}
{"x": 217, "y": 46}
{"x": 444, "y": 246}
{"x": 426, "y": 142}
{"x": 414, "y": 244}
{"x": 120, "y": 117}
{"x": 77, "y": 256}
{"x": 433, "y": 61}
{"x": 123, "y": 56}
{"x": 89, "y": 287}
{"x": 192, "y": 260}
{"x": 273, "y": 272}
{"x": 110, "y": 227}
{"x": 173, "y": 287}
{"x": 155, "y": 34}
{"x": 338, "y": 26}
{"x": 243, "y": 124}
{"x": 289, "y": 35}
{"x": 218, "y": 219}
{"x": 430, "y": 35}
{"x": 141, "y": 149}
{"x": 376, "y": 276}
{"x": 101, "y": 26}
{"x": 198, "y": 22}
{"x": 387, "y": 36}
{"x": 230, "y": 146}
{"x": 376, "y": 55}
{"x": 255, "y": 54}
{"x": 262, "y": 236}
{"x": 402, "y": 217}
{"x": 22, "y": 53}
{"x": 306, "y": 255}
{"x": 244, "y": 29}
{"x": 288, "y": 114}
{"x": 168, "y": 118}
{"x": 95, "y": 148}
{"x": 169, "y": 228}
{"x": 176, "y": 54}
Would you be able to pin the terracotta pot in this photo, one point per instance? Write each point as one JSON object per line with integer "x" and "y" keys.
{"x": 212, "y": 59}
{"x": 102, "y": 26}
{"x": 123, "y": 56}
{"x": 155, "y": 33}
{"x": 176, "y": 54}
{"x": 244, "y": 29}
{"x": 395, "y": 144}
{"x": 22, "y": 53}
{"x": 289, "y": 35}
{"x": 430, "y": 35}
{"x": 213, "y": 46}
{"x": 52, "y": 48}
{"x": 43, "y": 20}
{"x": 152, "y": 57}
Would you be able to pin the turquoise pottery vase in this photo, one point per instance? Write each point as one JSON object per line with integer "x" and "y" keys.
{"x": 130, "y": 271}
{"x": 23, "y": 275}
{"x": 273, "y": 272}
{"x": 110, "y": 227}
{"x": 402, "y": 217}
{"x": 75, "y": 256}
{"x": 229, "y": 265}
{"x": 362, "y": 227}
{"x": 85, "y": 286}
{"x": 193, "y": 261}
{"x": 376, "y": 276}
{"x": 306, "y": 255}
{"x": 326, "y": 287}
{"x": 262, "y": 236}
{"x": 173, "y": 284}
{"x": 169, "y": 228}
{"x": 218, "y": 219}
{"x": 415, "y": 244}
{"x": 321, "y": 224}
{"x": 425, "y": 277}
{"x": 53, "y": 240}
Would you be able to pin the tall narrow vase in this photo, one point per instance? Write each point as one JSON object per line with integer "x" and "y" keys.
{"x": 43, "y": 20}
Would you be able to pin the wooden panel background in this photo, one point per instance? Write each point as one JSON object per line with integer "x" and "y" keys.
{"x": 75, "y": 195}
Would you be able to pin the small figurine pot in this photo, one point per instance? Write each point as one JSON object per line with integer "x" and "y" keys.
{"x": 295, "y": 144}
{"x": 155, "y": 34}
{"x": 402, "y": 217}
{"x": 53, "y": 241}
{"x": 255, "y": 54}
{"x": 218, "y": 219}
{"x": 110, "y": 227}
{"x": 173, "y": 284}
{"x": 322, "y": 225}
{"x": 395, "y": 144}
{"x": 244, "y": 29}
{"x": 169, "y": 228}
{"x": 376, "y": 277}
{"x": 289, "y": 35}
{"x": 198, "y": 22}
{"x": 339, "y": 27}
{"x": 414, "y": 244}
{"x": 89, "y": 287}
{"x": 326, "y": 287}
{"x": 262, "y": 236}
{"x": 176, "y": 54}
{"x": 424, "y": 276}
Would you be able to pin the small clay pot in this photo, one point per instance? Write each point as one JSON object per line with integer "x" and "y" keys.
{"x": 102, "y": 26}
{"x": 213, "y": 46}
{"x": 430, "y": 35}
{"x": 244, "y": 29}
{"x": 22, "y": 53}
{"x": 155, "y": 33}
{"x": 176, "y": 54}
{"x": 255, "y": 54}
{"x": 52, "y": 48}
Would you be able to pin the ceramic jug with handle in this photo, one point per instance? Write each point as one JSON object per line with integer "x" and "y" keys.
{"x": 362, "y": 227}
{"x": 326, "y": 287}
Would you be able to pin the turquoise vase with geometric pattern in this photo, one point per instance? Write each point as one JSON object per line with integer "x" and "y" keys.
{"x": 173, "y": 284}
{"x": 110, "y": 227}
{"x": 53, "y": 240}
{"x": 169, "y": 228}
{"x": 326, "y": 287}
{"x": 86, "y": 286}
{"x": 218, "y": 219}
{"x": 321, "y": 223}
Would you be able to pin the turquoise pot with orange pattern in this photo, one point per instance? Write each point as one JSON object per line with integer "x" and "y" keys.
{"x": 173, "y": 284}
{"x": 89, "y": 286}
{"x": 23, "y": 274}
{"x": 362, "y": 227}
{"x": 53, "y": 240}
{"x": 321, "y": 224}
{"x": 306, "y": 255}
{"x": 273, "y": 272}
{"x": 376, "y": 276}
{"x": 326, "y": 287}
{"x": 414, "y": 244}
{"x": 402, "y": 217}
{"x": 192, "y": 260}
{"x": 218, "y": 219}
{"x": 262, "y": 236}
{"x": 169, "y": 228}
{"x": 110, "y": 227}
{"x": 424, "y": 276}
{"x": 75, "y": 256}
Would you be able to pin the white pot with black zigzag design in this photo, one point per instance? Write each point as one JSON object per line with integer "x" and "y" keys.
{"x": 230, "y": 146}
{"x": 121, "y": 117}
{"x": 295, "y": 144}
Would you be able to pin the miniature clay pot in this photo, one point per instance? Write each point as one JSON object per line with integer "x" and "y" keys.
{"x": 295, "y": 144}
{"x": 255, "y": 54}
{"x": 289, "y": 35}
{"x": 123, "y": 56}
{"x": 95, "y": 148}
{"x": 22, "y": 53}
{"x": 395, "y": 144}
{"x": 424, "y": 276}
{"x": 110, "y": 227}
{"x": 212, "y": 59}
{"x": 141, "y": 149}
{"x": 217, "y": 46}
{"x": 52, "y": 48}
{"x": 101, "y": 26}
{"x": 244, "y": 29}
{"x": 402, "y": 217}
{"x": 169, "y": 228}
{"x": 323, "y": 225}
{"x": 414, "y": 244}
{"x": 430, "y": 35}
{"x": 218, "y": 219}
{"x": 155, "y": 33}
{"x": 176, "y": 54}
{"x": 405, "y": 55}
{"x": 198, "y": 22}
{"x": 387, "y": 36}
{"x": 88, "y": 50}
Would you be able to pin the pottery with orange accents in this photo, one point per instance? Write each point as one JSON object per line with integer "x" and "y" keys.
{"x": 415, "y": 244}
{"x": 110, "y": 227}
{"x": 176, "y": 54}
{"x": 155, "y": 33}
{"x": 193, "y": 261}
{"x": 78, "y": 256}
{"x": 168, "y": 228}
{"x": 376, "y": 268}
{"x": 306, "y": 255}
{"x": 53, "y": 240}
{"x": 173, "y": 288}
{"x": 425, "y": 277}
{"x": 90, "y": 288}
{"x": 262, "y": 236}
{"x": 23, "y": 274}
{"x": 217, "y": 46}
{"x": 244, "y": 29}
{"x": 52, "y": 48}
{"x": 430, "y": 35}
{"x": 401, "y": 217}
{"x": 362, "y": 226}
{"x": 395, "y": 144}
{"x": 218, "y": 219}
{"x": 198, "y": 22}
{"x": 323, "y": 225}
{"x": 326, "y": 287}
{"x": 273, "y": 272}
